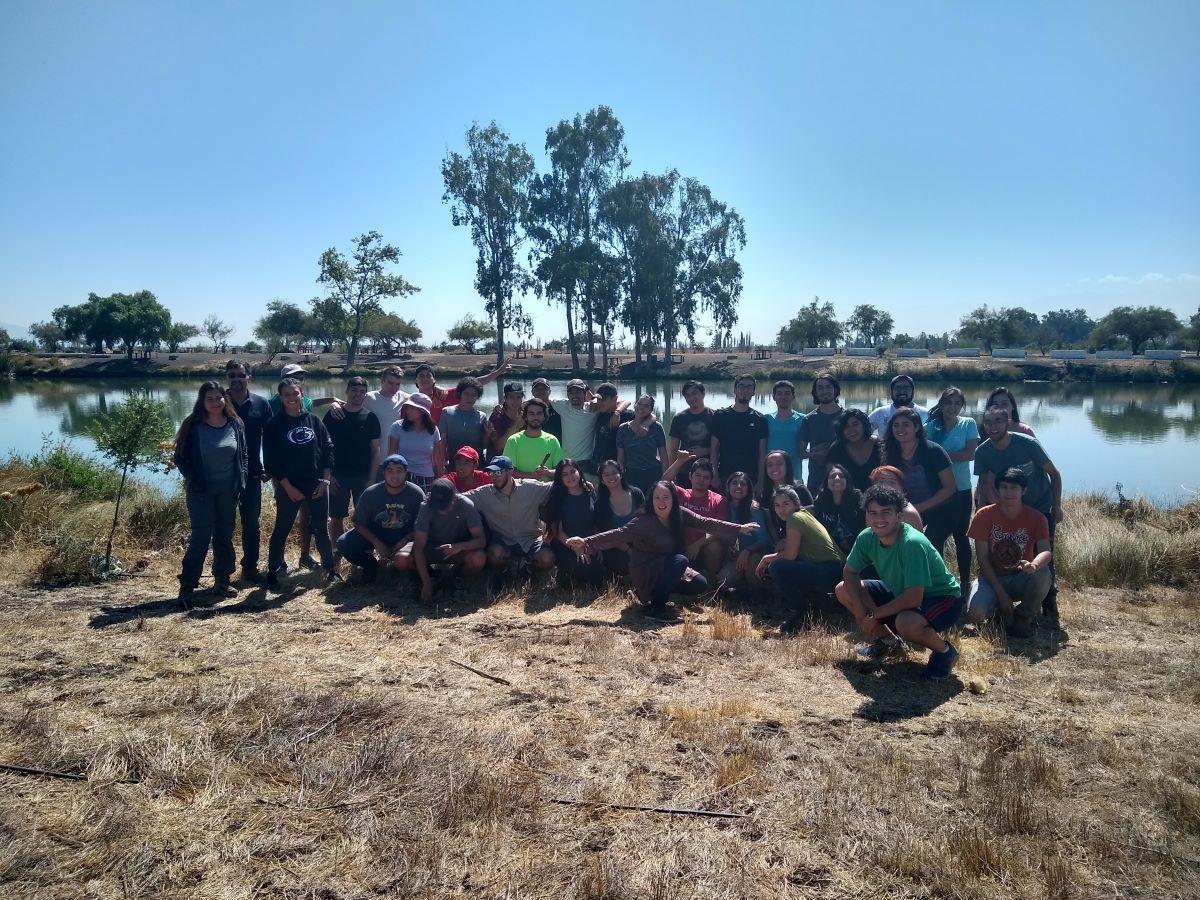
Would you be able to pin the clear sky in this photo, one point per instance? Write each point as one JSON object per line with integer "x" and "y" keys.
{"x": 926, "y": 157}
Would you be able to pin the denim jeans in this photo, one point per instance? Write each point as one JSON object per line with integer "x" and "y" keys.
{"x": 285, "y": 517}
{"x": 1027, "y": 593}
{"x": 670, "y": 581}
{"x": 250, "y": 509}
{"x": 804, "y": 576}
{"x": 211, "y": 514}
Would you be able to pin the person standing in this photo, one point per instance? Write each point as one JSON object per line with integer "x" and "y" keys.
{"x": 254, "y": 411}
{"x": 553, "y": 424}
{"x": 783, "y": 425}
{"x": 739, "y": 435}
{"x": 298, "y": 454}
{"x": 385, "y": 403}
{"x": 355, "y": 435}
{"x": 691, "y": 431}
{"x": 958, "y": 435}
{"x": 902, "y": 390}
{"x": 440, "y": 398}
{"x": 925, "y": 470}
{"x": 641, "y": 446}
{"x": 506, "y": 418}
{"x": 1012, "y": 542}
{"x": 533, "y": 453}
{"x": 915, "y": 595}
{"x": 211, "y": 455}
{"x": 817, "y": 431}
{"x": 611, "y": 414}
{"x": 1007, "y": 401}
{"x": 464, "y": 425}
{"x": 383, "y": 522}
{"x": 418, "y": 440}
{"x": 579, "y": 413}
{"x": 449, "y": 531}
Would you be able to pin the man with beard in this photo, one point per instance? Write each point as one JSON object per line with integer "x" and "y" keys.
{"x": 903, "y": 388}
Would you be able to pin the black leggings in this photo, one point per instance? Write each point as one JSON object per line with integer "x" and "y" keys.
{"x": 671, "y": 581}
{"x": 952, "y": 519}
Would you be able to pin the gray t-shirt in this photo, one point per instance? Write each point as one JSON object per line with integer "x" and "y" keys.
{"x": 1026, "y": 454}
{"x": 219, "y": 451}
{"x": 386, "y": 409}
{"x": 390, "y": 516}
{"x": 463, "y": 429}
{"x": 816, "y": 430}
{"x": 415, "y": 445}
{"x": 641, "y": 451}
{"x": 452, "y": 526}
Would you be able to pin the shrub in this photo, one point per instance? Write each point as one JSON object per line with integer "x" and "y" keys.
{"x": 60, "y": 468}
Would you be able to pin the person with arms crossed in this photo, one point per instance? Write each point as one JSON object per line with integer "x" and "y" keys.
{"x": 915, "y": 595}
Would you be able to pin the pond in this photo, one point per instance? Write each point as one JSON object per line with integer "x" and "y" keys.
{"x": 1145, "y": 436}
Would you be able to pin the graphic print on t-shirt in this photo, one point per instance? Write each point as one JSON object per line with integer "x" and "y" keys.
{"x": 393, "y": 516}
{"x": 301, "y": 435}
{"x": 1007, "y": 547}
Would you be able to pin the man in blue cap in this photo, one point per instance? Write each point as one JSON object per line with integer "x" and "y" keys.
{"x": 383, "y": 521}
{"x": 511, "y": 508}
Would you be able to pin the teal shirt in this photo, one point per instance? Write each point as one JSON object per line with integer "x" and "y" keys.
{"x": 964, "y": 431}
{"x": 782, "y": 435}
{"x": 910, "y": 562}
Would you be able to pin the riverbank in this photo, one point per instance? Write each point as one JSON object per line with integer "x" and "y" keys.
{"x": 323, "y": 740}
{"x": 702, "y": 366}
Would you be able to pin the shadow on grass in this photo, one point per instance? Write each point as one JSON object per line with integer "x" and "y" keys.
{"x": 198, "y": 606}
{"x": 896, "y": 691}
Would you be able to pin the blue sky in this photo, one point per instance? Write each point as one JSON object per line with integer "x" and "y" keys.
{"x": 925, "y": 157}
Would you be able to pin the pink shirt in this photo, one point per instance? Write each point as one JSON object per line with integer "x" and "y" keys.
{"x": 713, "y": 506}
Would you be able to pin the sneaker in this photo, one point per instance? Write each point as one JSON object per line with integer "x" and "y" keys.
{"x": 253, "y": 576}
{"x": 332, "y": 577}
{"x": 880, "y": 647}
{"x": 940, "y": 664}
{"x": 307, "y": 562}
{"x": 273, "y": 581}
{"x": 222, "y": 588}
{"x": 186, "y": 589}
{"x": 370, "y": 571}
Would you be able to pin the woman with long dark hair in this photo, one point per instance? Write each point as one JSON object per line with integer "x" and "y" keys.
{"x": 642, "y": 445}
{"x": 210, "y": 454}
{"x": 777, "y": 473}
{"x": 418, "y": 440}
{"x": 657, "y": 565}
{"x": 855, "y": 447}
{"x": 927, "y": 473}
{"x": 809, "y": 562}
{"x": 569, "y": 510}
{"x": 1004, "y": 399}
{"x": 958, "y": 435}
{"x": 839, "y": 507}
{"x": 617, "y": 502}
{"x": 749, "y": 549}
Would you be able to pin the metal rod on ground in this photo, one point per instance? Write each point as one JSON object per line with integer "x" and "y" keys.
{"x": 495, "y": 678}
{"x": 656, "y": 809}
{"x": 28, "y": 770}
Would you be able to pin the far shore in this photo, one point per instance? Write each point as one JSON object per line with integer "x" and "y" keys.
{"x": 709, "y": 366}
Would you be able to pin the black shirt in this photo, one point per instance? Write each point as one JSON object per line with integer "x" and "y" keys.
{"x": 297, "y": 448}
{"x": 254, "y": 412}
{"x": 352, "y": 436}
{"x": 606, "y": 437}
{"x": 740, "y": 434}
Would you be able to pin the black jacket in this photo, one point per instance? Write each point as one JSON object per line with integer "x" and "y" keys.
{"x": 297, "y": 448}
{"x": 189, "y": 460}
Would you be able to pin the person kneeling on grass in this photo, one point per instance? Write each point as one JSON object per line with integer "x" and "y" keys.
{"x": 655, "y": 541}
{"x": 384, "y": 518}
{"x": 1012, "y": 544}
{"x": 916, "y": 596}
{"x": 810, "y": 563}
{"x": 510, "y": 507}
{"x": 449, "y": 531}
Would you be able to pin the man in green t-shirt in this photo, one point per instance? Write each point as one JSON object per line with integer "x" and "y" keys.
{"x": 915, "y": 596}
{"x": 533, "y": 453}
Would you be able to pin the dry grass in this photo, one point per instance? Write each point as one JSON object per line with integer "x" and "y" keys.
{"x": 320, "y": 745}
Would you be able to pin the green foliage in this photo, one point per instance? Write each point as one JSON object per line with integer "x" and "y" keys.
{"x": 815, "y": 325}
{"x": 1000, "y": 326}
{"x": 869, "y": 326}
{"x": 469, "y": 331}
{"x": 132, "y": 319}
{"x": 1137, "y": 324}
{"x": 360, "y": 284}
{"x": 1192, "y": 332}
{"x": 61, "y": 468}
{"x": 488, "y": 192}
{"x": 49, "y": 335}
{"x": 178, "y": 334}
{"x": 282, "y": 327}
{"x": 391, "y": 333}
{"x": 252, "y": 347}
{"x": 130, "y": 433}
{"x": 1063, "y": 327}
{"x": 326, "y": 322}
{"x": 216, "y": 331}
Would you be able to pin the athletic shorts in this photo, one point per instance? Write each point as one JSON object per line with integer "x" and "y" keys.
{"x": 348, "y": 486}
{"x": 939, "y": 612}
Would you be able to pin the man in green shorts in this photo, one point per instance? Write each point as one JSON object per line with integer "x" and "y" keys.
{"x": 915, "y": 596}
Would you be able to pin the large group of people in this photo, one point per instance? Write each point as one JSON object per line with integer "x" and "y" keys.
{"x": 593, "y": 488}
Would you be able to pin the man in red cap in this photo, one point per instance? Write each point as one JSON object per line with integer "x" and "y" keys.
{"x": 467, "y": 475}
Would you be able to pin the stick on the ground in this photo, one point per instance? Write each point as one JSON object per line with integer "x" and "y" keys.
{"x": 656, "y": 809}
{"x": 29, "y": 770}
{"x": 495, "y": 678}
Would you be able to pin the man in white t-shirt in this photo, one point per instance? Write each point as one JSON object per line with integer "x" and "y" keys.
{"x": 902, "y": 387}
{"x": 386, "y": 401}
{"x": 578, "y": 414}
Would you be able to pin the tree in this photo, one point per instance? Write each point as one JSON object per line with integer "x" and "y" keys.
{"x": 469, "y": 331}
{"x": 216, "y": 331}
{"x": 362, "y": 285}
{"x": 391, "y": 332}
{"x": 587, "y": 155}
{"x": 1064, "y": 326}
{"x": 281, "y": 328}
{"x": 488, "y": 190}
{"x": 1005, "y": 326}
{"x": 326, "y": 322}
{"x": 93, "y": 322}
{"x": 49, "y": 335}
{"x": 1192, "y": 332}
{"x": 140, "y": 319}
{"x": 814, "y": 325}
{"x": 869, "y": 325}
{"x": 178, "y": 334}
{"x": 1137, "y": 324}
{"x": 130, "y": 435}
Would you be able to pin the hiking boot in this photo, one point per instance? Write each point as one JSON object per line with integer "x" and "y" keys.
{"x": 370, "y": 571}
{"x": 880, "y": 647}
{"x": 332, "y": 577}
{"x": 1050, "y": 610}
{"x": 940, "y": 664}
{"x": 252, "y": 576}
{"x": 273, "y": 580}
{"x": 307, "y": 562}
{"x": 222, "y": 588}
{"x": 186, "y": 589}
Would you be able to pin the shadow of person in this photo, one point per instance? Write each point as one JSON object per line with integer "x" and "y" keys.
{"x": 152, "y": 609}
{"x": 258, "y": 600}
{"x": 1045, "y": 644}
{"x": 896, "y": 691}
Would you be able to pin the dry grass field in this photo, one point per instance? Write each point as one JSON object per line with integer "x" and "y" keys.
{"x": 322, "y": 744}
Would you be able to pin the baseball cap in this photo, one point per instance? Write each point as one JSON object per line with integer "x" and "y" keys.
{"x": 291, "y": 369}
{"x": 544, "y": 381}
{"x": 513, "y": 388}
{"x": 441, "y": 493}
{"x": 393, "y": 459}
{"x": 499, "y": 464}
{"x": 469, "y": 452}
{"x": 577, "y": 383}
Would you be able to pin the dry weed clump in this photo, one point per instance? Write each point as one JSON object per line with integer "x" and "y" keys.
{"x": 1105, "y": 545}
{"x": 729, "y": 626}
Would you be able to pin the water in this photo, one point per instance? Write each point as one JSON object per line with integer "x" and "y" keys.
{"x": 1145, "y": 436}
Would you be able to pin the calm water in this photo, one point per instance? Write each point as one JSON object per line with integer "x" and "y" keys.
{"x": 1145, "y": 436}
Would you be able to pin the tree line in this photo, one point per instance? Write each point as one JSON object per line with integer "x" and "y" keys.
{"x": 817, "y": 325}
